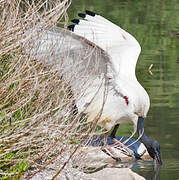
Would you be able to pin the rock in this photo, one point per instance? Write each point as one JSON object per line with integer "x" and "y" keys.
{"x": 104, "y": 174}
{"x": 116, "y": 174}
{"x": 92, "y": 156}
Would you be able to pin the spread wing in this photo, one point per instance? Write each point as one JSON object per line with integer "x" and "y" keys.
{"x": 119, "y": 44}
{"x": 94, "y": 53}
{"x": 82, "y": 64}
{"x": 68, "y": 51}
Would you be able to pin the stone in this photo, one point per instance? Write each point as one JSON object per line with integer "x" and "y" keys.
{"x": 104, "y": 174}
{"x": 116, "y": 174}
{"x": 94, "y": 157}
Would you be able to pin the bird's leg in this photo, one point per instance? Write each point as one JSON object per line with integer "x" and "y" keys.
{"x": 108, "y": 150}
{"x": 113, "y": 133}
{"x": 119, "y": 145}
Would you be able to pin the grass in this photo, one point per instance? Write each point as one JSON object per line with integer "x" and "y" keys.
{"x": 38, "y": 125}
{"x": 28, "y": 100}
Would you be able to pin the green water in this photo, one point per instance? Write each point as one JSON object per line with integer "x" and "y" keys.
{"x": 155, "y": 24}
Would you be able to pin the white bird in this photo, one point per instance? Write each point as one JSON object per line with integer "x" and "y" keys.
{"x": 111, "y": 83}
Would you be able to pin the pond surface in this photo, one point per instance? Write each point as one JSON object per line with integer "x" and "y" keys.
{"x": 155, "y": 24}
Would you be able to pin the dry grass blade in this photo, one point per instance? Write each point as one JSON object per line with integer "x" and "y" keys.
{"x": 39, "y": 122}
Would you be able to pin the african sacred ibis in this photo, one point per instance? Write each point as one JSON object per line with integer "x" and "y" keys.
{"x": 127, "y": 100}
{"x": 110, "y": 68}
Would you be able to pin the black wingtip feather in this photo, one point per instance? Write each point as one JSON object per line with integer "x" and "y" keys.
{"x": 71, "y": 27}
{"x": 90, "y": 13}
{"x": 81, "y": 15}
{"x": 76, "y": 21}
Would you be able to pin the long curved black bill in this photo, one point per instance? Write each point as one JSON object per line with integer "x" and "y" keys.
{"x": 158, "y": 158}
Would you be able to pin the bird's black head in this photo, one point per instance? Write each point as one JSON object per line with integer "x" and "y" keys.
{"x": 152, "y": 145}
{"x": 153, "y": 149}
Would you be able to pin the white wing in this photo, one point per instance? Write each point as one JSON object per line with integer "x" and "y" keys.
{"x": 53, "y": 45}
{"x": 97, "y": 54}
{"x": 101, "y": 51}
{"x": 119, "y": 44}
{"x": 82, "y": 65}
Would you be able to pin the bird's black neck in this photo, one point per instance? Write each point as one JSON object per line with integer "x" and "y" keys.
{"x": 140, "y": 130}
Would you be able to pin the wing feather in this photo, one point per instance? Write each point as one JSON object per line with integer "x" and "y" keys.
{"x": 79, "y": 61}
{"x": 94, "y": 53}
{"x": 54, "y": 43}
{"x": 119, "y": 44}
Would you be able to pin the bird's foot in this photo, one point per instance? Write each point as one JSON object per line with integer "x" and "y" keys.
{"x": 110, "y": 152}
{"x": 119, "y": 145}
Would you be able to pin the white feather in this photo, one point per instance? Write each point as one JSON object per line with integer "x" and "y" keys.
{"x": 116, "y": 63}
{"x": 123, "y": 50}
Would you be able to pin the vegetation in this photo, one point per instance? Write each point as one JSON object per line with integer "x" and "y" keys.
{"x": 38, "y": 122}
{"x": 31, "y": 96}
{"x": 35, "y": 117}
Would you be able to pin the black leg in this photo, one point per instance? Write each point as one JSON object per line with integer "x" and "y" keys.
{"x": 113, "y": 133}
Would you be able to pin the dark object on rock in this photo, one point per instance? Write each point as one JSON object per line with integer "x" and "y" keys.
{"x": 98, "y": 141}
